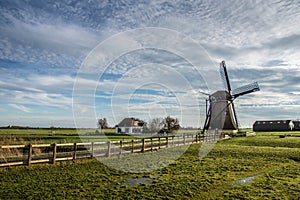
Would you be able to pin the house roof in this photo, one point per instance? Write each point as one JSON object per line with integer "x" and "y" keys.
{"x": 129, "y": 122}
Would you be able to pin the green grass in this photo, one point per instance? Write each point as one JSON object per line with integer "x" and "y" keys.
{"x": 48, "y": 136}
{"x": 189, "y": 177}
{"x": 270, "y": 139}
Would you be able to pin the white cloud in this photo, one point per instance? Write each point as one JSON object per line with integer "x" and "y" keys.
{"x": 55, "y": 44}
{"x": 45, "y": 80}
{"x": 20, "y": 107}
{"x": 38, "y": 90}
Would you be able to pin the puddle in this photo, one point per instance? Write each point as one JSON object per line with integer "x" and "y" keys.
{"x": 134, "y": 181}
{"x": 246, "y": 180}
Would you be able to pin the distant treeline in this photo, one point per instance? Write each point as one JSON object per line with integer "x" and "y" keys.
{"x": 40, "y": 128}
{"x": 64, "y": 128}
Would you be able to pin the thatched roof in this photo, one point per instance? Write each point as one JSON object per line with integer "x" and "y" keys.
{"x": 129, "y": 122}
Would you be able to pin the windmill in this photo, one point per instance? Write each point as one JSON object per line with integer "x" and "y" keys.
{"x": 220, "y": 114}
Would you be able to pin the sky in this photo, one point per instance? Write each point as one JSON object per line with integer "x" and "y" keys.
{"x": 67, "y": 63}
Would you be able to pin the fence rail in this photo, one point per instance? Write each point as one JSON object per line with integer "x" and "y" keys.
{"x": 11, "y": 155}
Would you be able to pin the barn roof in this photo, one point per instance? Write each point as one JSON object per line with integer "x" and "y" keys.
{"x": 271, "y": 121}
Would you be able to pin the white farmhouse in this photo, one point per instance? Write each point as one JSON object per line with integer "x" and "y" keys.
{"x": 130, "y": 126}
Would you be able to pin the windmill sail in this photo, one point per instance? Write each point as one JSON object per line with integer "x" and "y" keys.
{"x": 224, "y": 76}
{"x": 235, "y": 116}
{"x": 246, "y": 89}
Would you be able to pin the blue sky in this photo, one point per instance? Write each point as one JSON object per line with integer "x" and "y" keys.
{"x": 45, "y": 45}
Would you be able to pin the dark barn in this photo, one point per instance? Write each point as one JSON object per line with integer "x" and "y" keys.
{"x": 272, "y": 125}
{"x": 296, "y": 125}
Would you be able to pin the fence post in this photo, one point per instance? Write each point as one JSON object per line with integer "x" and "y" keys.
{"x": 132, "y": 146}
{"x": 108, "y": 149}
{"x": 54, "y": 153}
{"x": 29, "y": 154}
{"x": 158, "y": 142}
{"x": 216, "y": 132}
{"x": 93, "y": 153}
{"x": 121, "y": 146}
{"x": 151, "y": 144}
{"x": 167, "y": 141}
{"x": 184, "y": 138}
{"x": 143, "y": 145}
{"x": 74, "y": 151}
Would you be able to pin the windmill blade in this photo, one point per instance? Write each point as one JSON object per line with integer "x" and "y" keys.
{"x": 235, "y": 116}
{"x": 253, "y": 87}
{"x": 224, "y": 76}
{"x": 207, "y": 118}
{"x": 205, "y": 93}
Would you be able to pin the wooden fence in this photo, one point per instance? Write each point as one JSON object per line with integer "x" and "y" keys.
{"x": 11, "y": 155}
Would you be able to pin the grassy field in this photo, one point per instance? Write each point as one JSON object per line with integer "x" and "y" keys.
{"x": 48, "y": 136}
{"x": 257, "y": 167}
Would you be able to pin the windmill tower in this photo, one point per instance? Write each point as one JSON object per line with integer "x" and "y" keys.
{"x": 220, "y": 114}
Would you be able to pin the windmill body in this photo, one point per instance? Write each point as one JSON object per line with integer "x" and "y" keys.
{"x": 220, "y": 114}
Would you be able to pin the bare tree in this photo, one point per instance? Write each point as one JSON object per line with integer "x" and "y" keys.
{"x": 171, "y": 124}
{"x": 155, "y": 124}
